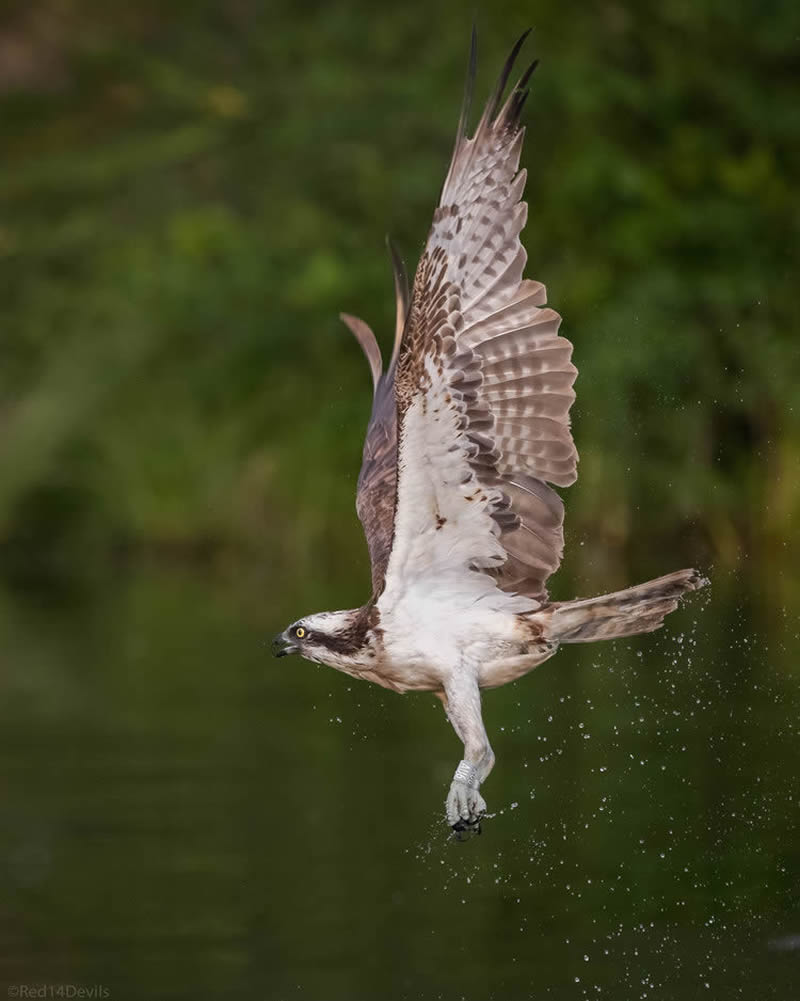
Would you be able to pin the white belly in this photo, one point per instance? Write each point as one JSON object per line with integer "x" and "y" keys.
{"x": 425, "y": 640}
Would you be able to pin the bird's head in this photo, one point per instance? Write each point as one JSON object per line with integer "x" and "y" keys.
{"x": 333, "y": 638}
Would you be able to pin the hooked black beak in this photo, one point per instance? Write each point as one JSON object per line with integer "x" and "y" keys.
{"x": 281, "y": 646}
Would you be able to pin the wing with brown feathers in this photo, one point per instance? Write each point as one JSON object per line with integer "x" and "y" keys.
{"x": 375, "y": 496}
{"x": 484, "y": 381}
{"x": 377, "y": 480}
{"x": 526, "y": 374}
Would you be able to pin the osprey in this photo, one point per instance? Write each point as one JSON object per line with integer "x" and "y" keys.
{"x": 469, "y": 429}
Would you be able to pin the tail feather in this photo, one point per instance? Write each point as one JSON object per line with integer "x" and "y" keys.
{"x": 638, "y": 609}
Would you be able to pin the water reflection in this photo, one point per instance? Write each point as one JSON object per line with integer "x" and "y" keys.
{"x": 184, "y": 816}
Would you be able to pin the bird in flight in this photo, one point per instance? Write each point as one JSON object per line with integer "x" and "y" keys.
{"x": 468, "y": 435}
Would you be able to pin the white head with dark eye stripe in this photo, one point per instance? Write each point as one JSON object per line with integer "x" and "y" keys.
{"x": 338, "y": 639}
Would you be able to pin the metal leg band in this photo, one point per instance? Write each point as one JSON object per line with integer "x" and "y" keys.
{"x": 466, "y": 773}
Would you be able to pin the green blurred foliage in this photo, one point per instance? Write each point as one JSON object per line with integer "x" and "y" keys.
{"x": 190, "y": 192}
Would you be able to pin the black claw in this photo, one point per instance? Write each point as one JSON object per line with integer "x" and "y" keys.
{"x": 466, "y": 829}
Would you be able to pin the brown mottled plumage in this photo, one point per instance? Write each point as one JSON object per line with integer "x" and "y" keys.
{"x": 518, "y": 371}
{"x": 637, "y": 609}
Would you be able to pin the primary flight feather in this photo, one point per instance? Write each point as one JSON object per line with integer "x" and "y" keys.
{"x": 468, "y": 433}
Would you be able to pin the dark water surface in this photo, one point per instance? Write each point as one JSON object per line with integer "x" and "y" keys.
{"x": 183, "y": 816}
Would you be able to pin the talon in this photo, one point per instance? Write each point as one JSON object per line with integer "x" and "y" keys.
{"x": 466, "y": 829}
{"x": 465, "y": 807}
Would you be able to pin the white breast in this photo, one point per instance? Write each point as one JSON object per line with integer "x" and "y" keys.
{"x": 429, "y": 633}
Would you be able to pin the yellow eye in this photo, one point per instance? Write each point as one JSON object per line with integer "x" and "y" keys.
{"x": 299, "y": 632}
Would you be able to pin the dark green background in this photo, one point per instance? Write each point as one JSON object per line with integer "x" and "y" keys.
{"x": 189, "y": 194}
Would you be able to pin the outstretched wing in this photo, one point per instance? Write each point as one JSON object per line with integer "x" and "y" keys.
{"x": 377, "y": 481}
{"x": 483, "y": 380}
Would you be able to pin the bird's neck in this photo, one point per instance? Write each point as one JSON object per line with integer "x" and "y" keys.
{"x": 354, "y": 644}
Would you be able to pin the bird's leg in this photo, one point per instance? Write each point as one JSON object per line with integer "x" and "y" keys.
{"x": 465, "y": 806}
